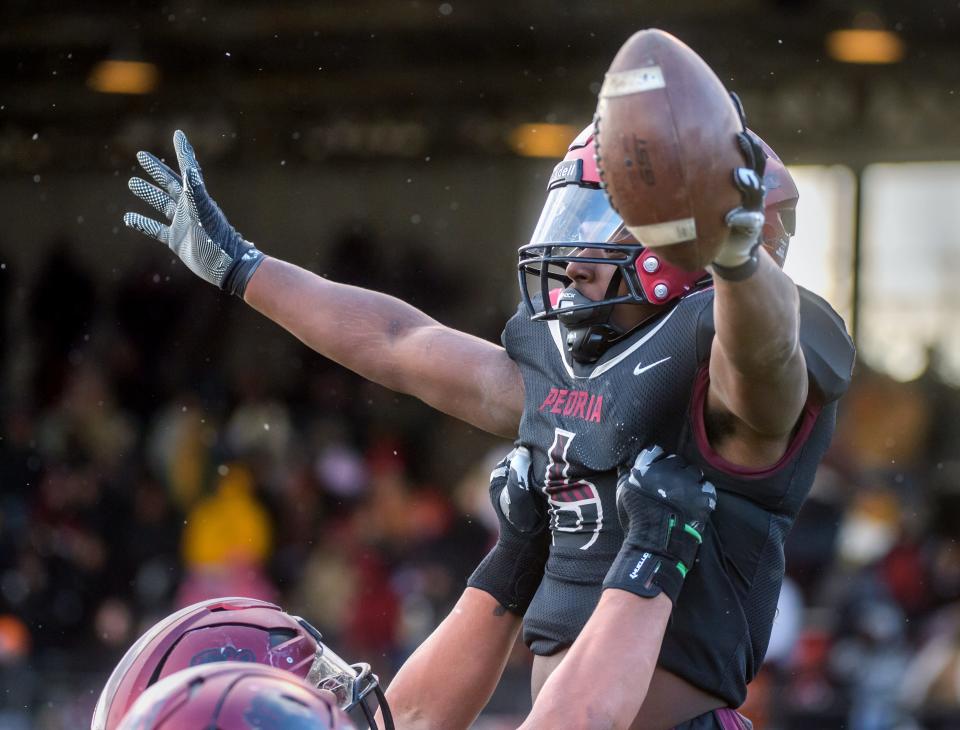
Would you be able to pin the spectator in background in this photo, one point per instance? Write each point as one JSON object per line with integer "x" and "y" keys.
{"x": 6, "y": 294}
{"x": 148, "y": 311}
{"x": 178, "y": 447}
{"x": 61, "y": 310}
{"x": 226, "y": 542}
{"x": 931, "y": 684}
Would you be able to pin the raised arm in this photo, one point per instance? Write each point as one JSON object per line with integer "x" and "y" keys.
{"x": 757, "y": 368}
{"x": 373, "y": 334}
{"x": 758, "y": 376}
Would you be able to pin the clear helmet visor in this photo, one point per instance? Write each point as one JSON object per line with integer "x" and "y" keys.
{"x": 577, "y": 216}
{"x": 330, "y": 672}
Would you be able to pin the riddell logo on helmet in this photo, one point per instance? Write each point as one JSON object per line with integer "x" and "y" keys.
{"x": 568, "y": 171}
{"x": 574, "y": 403}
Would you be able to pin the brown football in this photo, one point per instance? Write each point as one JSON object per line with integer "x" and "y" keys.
{"x": 666, "y": 147}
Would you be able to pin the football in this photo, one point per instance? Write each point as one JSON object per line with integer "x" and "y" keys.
{"x": 666, "y": 147}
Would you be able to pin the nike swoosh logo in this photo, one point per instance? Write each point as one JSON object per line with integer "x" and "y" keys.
{"x": 637, "y": 370}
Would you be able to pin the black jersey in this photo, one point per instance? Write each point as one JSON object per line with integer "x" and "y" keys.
{"x": 585, "y": 423}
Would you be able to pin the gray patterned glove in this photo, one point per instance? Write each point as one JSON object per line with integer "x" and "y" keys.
{"x": 198, "y": 231}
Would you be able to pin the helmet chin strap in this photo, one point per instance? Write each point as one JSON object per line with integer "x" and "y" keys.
{"x": 589, "y": 331}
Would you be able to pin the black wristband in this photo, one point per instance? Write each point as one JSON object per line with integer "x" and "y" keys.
{"x": 645, "y": 574}
{"x": 235, "y": 282}
{"x": 741, "y": 272}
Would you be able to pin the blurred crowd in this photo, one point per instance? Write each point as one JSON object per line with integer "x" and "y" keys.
{"x": 160, "y": 444}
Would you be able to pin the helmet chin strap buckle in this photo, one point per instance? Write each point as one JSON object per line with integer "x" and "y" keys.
{"x": 587, "y": 344}
{"x": 589, "y": 330}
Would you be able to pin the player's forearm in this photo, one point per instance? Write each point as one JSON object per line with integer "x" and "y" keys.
{"x": 352, "y": 326}
{"x": 757, "y": 320}
{"x": 615, "y": 656}
{"x": 447, "y": 681}
{"x": 393, "y": 344}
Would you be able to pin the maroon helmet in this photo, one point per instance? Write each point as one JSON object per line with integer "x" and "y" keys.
{"x": 577, "y": 215}
{"x": 234, "y": 696}
{"x": 780, "y": 206}
{"x": 237, "y": 630}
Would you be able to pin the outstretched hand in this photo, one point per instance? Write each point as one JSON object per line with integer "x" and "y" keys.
{"x": 196, "y": 229}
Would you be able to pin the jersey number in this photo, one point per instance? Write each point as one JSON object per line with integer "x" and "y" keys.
{"x": 574, "y": 503}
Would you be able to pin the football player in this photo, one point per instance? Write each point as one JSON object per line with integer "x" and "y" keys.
{"x": 739, "y": 373}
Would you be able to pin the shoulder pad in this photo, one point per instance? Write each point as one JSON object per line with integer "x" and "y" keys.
{"x": 827, "y": 347}
{"x": 520, "y": 314}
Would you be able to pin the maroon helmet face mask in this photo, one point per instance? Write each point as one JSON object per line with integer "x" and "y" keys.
{"x": 577, "y": 218}
{"x": 235, "y": 696}
{"x": 236, "y": 630}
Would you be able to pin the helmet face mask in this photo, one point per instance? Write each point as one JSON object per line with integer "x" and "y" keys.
{"x": 778, "y": 229}
{"x": 547, "y": 262}
{"x": 349, "y": 683}
{"x": 577, "y": 218}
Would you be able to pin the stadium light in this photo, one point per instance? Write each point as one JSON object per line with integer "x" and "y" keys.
{"x": 867, "y": 41}
{"x": 123, "y": 77}
{"x": 542, "y": 140}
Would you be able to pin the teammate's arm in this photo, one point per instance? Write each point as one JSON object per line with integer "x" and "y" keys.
{"x": 448, "y": 680}
{"x": 608, "y": 668}
{"x": 664, "y": 506}
{"x": 373, "y": 334}
{"x": 469, "y": 649}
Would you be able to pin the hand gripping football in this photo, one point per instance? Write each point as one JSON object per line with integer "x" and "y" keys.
{"x": 666, "y": 132}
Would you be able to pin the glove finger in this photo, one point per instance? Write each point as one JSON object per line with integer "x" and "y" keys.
{"x": 520, "y": 467}
{"x": 745, "y": 220}
{"x": 153, "y": 196}
{"x": 505, "y": 504}
{"x": 161, "y": 173}
{"x": 501, "y": 470}
{"x": 186, "y": 157}
{"x": 147, "y": 226}
{"x": 711, "y": 492}
{"x": 646, "y": 458}
{"x": 201, "y": 205}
